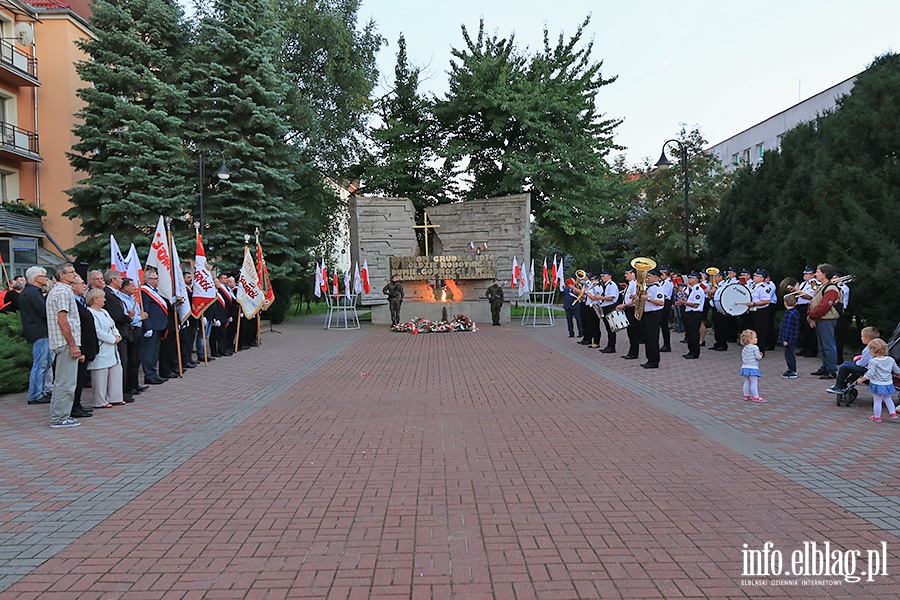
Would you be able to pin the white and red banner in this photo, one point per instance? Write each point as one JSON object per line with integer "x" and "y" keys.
{"x": 160, "y": 259}
{"x": 262, "y": 273}
{"x": 324, "y": 277}
{"x": 203, "y": 288}
{"x": 545, "y": 278}
{"x": 320, "y": 283}
{"x": 249, "y": 295}
{"x": 561, "y": 277}
{"x": 531, "y": 277}
{"x": 516, "y": 273}
{"x": 117, "y": 261}
{"x": 336, "y": 287}
{"x": 554, "y": 275}
{"x": 180, "y": 293}
{"x": 357, "y": 280}
{"x": 365, "y": 277}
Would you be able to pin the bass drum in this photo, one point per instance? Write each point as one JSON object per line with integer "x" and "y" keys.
{"x": 617, "y": 320}
{"x": 732, "y": 299}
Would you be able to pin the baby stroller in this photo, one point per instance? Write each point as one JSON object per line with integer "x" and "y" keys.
{"x": 851, "y": 393}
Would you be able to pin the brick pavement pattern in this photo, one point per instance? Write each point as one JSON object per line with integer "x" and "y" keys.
{"x": 507, "y": 463}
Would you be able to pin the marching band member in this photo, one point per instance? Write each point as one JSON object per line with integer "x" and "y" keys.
{"x": 654, "y": 299}
{"x": 808, "y": 345}
{"x": 770, "y": 311}
{"x": 573, "y": 311}
{"x": 668, "y": 290}
{"x": 633, "y": 331}
{"x": 693, "y": 306}
{"x": 721, "y": 321}
{"x": 759, "y": 299}
{"x": 590, "y": 317}
{"x": 609, "y": 296}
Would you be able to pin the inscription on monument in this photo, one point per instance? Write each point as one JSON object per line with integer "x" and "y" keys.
{"x": 410, "y": 268}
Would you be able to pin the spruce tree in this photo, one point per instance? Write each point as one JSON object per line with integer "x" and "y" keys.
{"x": 129, "y": 140}
{"x": 237, "y": 94}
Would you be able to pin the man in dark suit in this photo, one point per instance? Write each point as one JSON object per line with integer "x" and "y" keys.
{"x": 154, "y": 327}
{"x": 33, "y": 313}
{"x": 188, "y": 331}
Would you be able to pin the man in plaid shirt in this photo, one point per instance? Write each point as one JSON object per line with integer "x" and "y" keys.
{"x": 789, "y": 335}
{"x": 64, "y": 329}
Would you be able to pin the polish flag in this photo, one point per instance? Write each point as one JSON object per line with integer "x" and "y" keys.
{"x": 324, "y": 277}
{"x": 365, "y": 277}
{"x": 116, "y": 259}
{"x": 516, "y": 273}
{"x": 553, "y": 274}
{"x": 531, "y": 277}
{"x": 484, "y": 246}
{"x": 357, "y": 280}
{"x": 545, "y": 279}
{"x": 523, "y": 283}
{"x": 472, "y": 246}
{"x": 347, "y": 289}
{"x": 203, "y": 287}
{"x": 562, "y": 276}
{"x": 336, "y": 286}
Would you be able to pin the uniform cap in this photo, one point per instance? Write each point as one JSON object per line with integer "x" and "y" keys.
{"x": 654, "y": 272}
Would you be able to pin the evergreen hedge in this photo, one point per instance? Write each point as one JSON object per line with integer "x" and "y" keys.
{"x": 15, "y": 355}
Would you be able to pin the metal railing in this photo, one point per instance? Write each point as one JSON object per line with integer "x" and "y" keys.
{"x": 15, "y": 58}
{"x": 17, "y": 138}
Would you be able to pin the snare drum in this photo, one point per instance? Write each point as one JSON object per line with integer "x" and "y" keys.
{"x": 617, "y": 320}
{"x": 732, "y": 299}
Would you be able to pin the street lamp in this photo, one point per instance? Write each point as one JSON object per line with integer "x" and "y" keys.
{"x": 222, "y": 173}
{"x": 664, "y": 163}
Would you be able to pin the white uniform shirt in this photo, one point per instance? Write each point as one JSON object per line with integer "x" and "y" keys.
{"x": 695, "y": 294}
{"x": 594, "y": 289}
{"x": 630, "y": 292}
{"x": 773, "y": 295}
{"x": 806, "y": 287}
{"x": 759, "y": 294}
{"x": 609, "y": 289}
{"x": 846, "y": 291}
{"x": 667, "y": 287}
{"x": 654, "y": 290}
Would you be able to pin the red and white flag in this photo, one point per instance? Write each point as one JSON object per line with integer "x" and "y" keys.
{"x": 484, "y": 246}
{"x": 262, "y": 273}
{"x": 347, "y": 289}
{"x": 472, "y": 246}
{"x": 336, "y": 287}
{"x": 319, "y": 284}
{"x": 357, "y": 280}
{"x": 523, "y": 283}
{"x": 553, "y": 274}
{"x": 365, "y": 277}
{"x": 160, "y": 259}
{"x": 203, "y": 287}
{"x": 516, "y": 273}
{"x": 561, "y": 278}
{"x": 180, "y": 292}
{"x": 324, "y": 277}
{"x": 249, "y": 295}
{"x": 134, "y": 272}
{"x": 545, "y": 278}
{"x": 116, "y": 260}
{"x": 531, "y": 277}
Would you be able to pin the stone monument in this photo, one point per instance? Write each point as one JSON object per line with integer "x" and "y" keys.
{"x": 453, "y": 276}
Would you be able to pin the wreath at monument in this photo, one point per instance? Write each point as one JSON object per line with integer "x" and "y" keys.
{"x": 420, "y": 325}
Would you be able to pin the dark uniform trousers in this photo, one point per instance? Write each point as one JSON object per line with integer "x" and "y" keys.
{"x": 692, "y": 320}
{"x": 652, "y": 323}
{"x": 634, "y": 332}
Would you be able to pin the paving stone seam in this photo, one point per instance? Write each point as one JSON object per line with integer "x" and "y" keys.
{"x": 37, "y": 544}
{"x": 812, "y": 477}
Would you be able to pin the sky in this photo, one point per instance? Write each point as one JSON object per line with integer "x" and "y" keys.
{"x": 721, "y": 66}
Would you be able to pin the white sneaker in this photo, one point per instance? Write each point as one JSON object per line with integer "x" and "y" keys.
{"x": 66, "y": 423}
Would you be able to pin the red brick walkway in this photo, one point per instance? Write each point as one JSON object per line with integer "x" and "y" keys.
{"x": 508, "y": 463}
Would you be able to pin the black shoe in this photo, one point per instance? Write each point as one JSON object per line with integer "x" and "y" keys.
{"x": 80, "y": 414}
{"x": 630, "y": 357}
{"x": 155, "y": 381}
{"x": 585, "y": 342}
{"x": 571, "y": 335}
{"x": 44, "y": 400}
{"x": 819, "y": 372}
{"x": 242, "y": 348}
{"x": 168, "y": 376}
{"x": 649, "y": 366}
{"x": 689, "y": 356}
{"x": 665, "y": 349}
{"x": 202, "y": 360}
{"x": 141, "y": 388}
{"x": 829, "y": 375}
{"x": 190, "y": 365}
{"x": 214, "y": 355}
{"x": 608, "y": 351}
{"x": 133, "y": 392}
{"x": 721, "y": 349}
{"x": 128, "y": 398}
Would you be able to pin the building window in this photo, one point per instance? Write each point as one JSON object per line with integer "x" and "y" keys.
{"x": 745, "y": 156}
{"x": 759, "y": 152}
{"x": 734, "y": 159}
{"x": 778, "y": 141}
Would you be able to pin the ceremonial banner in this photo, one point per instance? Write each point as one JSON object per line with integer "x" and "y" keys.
{"x": 203, "y": 288}
{"x": 562, "y": 276}
{"x": 516, "y": 273}
{"x": 160, "y": 259}
{"x": 545, "y": 279}
{"x": 249, "y": 294}
{"x": 180, "y": 296}
{"x": 531, "y": 277}
{"x": 365, "y": 277}
{"x": 554, "y": 275}
{"x": 116, "y": 260}
{"x": 357, "y": 280}
{"x": 324, "y": 277}
{"x": 262, "y": 273}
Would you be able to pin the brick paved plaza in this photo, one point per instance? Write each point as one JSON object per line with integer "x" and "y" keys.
{"x": 510, "y": 463}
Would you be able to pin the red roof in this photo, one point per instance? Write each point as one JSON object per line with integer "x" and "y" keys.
{"x": 48, "y": 4}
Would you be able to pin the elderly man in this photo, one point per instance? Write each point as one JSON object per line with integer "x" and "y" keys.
{"x": 121, "y": 316}
{"x": 33, "y": 313}
{"x": 64, "y": 331}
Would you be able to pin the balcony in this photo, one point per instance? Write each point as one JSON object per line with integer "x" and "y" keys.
{"x": 16, "y": 67}
{"x": 18, "y": 144}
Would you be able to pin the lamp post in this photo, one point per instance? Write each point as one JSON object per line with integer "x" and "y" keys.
{"x": 664, "y": 163}
{"x": 222, "y": 173}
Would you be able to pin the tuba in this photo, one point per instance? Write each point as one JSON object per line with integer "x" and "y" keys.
{"x": 641, "y": 265}
{"x": 580, "y": 275}
{"x": 713, "y": 286}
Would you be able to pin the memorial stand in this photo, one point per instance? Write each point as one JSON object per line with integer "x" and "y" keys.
{"x": 342, "y": 313}
{"x": 539, "y": 310}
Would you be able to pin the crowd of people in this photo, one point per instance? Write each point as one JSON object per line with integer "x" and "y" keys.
{"x": 104, "y": 334}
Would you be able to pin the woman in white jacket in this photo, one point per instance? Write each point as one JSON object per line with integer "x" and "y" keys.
{"x": 106, "y": 368}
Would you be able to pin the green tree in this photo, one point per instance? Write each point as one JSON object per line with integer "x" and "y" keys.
{"x": 237, "y": 92}
{"x": 404, "y": 150}
{"x": 129, "y": 138}
{"x": 331, "y": 66}
{"x": 517, "y": 122}
{"x": 659, "y": 213}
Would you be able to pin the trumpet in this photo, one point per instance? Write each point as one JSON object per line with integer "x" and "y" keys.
{"x": 641, "y": 264}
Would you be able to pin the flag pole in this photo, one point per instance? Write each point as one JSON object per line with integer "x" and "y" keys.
{"x": 174, "y": 307}
{"x": 259, "y": 267}
{"x": 237, "y": 335}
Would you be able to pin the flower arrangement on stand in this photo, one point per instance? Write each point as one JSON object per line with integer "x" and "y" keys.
{"x": 419, "y": 325}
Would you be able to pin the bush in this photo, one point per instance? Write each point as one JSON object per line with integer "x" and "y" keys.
{"x": 15, "y": 355}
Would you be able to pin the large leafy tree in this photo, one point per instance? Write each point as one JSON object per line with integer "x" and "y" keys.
{"x": 659, "y": 212}
{"x": 829, "y": 195}
{"x": 237, "y": 93}
{"x": 129, "y": 143}
{"x": 516, "y": 122}
{"x": 402, "y": 160}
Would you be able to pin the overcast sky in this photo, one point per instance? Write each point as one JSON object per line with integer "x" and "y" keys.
{"x": 721, "y": 65}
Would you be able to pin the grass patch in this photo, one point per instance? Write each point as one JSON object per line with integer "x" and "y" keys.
{"x": 516, "y": 310}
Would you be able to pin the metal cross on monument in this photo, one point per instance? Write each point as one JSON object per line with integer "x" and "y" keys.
{"x": 426, "y": 227}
